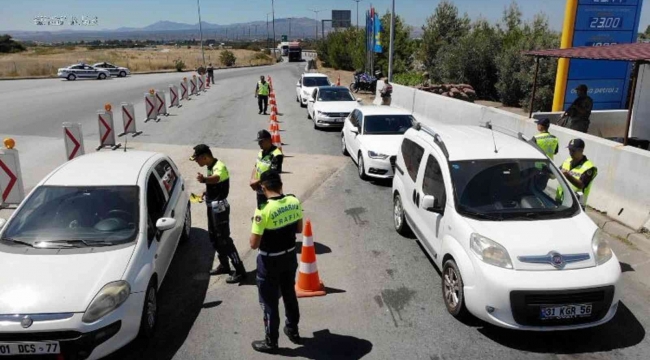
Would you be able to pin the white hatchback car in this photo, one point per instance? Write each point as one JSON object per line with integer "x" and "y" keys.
{"x": 306, "y": 85}
{"x": 513, "y": 249}
{"x": 328, "y": 106}
{"x": 372, "y": 135}
{"x": 85, "y": 253}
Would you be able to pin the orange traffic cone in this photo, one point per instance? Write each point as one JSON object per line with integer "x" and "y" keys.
{"x": 274, "y": 108}
{"x": 274, "y": 116}
{"x": 338, "y": 82}
{"x": 309, "y": 283}
{"x": 273, "y": 127}
{"x": 276, "y": 139}
{"x": 272, "y": 101}
{"x": 272, "y": 95}
{"x": 207, "y": 83}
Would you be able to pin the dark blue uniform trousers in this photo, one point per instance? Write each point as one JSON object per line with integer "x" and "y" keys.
{"x": 276, "y": 276}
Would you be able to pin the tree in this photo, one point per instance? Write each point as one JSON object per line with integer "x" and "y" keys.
{"x": 443, "y": 27}
{"x": 8, "y": 45}
{"x": 403, "y": 46}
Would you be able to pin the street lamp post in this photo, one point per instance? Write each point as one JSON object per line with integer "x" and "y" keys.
{"x": 316, "y": 13}
{"x": 273, "y": 11}
{"x": 357, "y": 1}
{"x": 391, "y": 47}
{"x": 198, "y": 4}
{"x": 290, "y": 29}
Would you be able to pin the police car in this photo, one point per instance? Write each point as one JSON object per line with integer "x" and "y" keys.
{"x": 84, "y": 255}
{"x": 514, "y": 246}
{"x": 114, "y": 70}
{"x": 83, "y": 71}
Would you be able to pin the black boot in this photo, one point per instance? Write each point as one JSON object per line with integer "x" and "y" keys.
{"x": 293, "y": 335}
{"x": 265, "y": 346}
{"x": 238, "y": 276}
{"x": 220, "y": 270}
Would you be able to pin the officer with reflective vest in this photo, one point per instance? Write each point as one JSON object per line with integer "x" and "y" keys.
{"x": 578, "y": 170}
{"x": 547, "y": 142}
{"x": 262, "y": 91}
{"x": 275, "y": 225}
{"x": 269, "y": 158}
{"x": 217, "y": 187}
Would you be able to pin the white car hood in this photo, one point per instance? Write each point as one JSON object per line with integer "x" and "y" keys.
{"x": 539, "y": 237}
{"x": 37, "y": 284}
{"x": 336, "y": 106}
{"x": 385, "y": 144}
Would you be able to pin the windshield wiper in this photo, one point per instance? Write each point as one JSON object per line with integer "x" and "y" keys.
{"x": 84, "y": 242}
{"x": 35, "y": 245}
{"x": 17, "y": 241}
{"x": 482, "y": 215}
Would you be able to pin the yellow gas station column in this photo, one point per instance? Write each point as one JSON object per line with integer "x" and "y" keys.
{"x": 563, "y": 64}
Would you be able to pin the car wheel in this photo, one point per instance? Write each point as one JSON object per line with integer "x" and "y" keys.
{"x": 102, "y": 76}
{"x": 297, "y": 98}
{"x": 344, "y": 147}
{"x": 149, "y": 318}
{"x": 187, "y": 227}
{"x": 308, "y": 115}
{"x": 399, "y": 219}
{"x": 362, "y": 169}
{"x": 302, "y": 105}
{"x": 72, "y": 77}
{"x": 122, "y": 74}
{"x": 452, "y": 289}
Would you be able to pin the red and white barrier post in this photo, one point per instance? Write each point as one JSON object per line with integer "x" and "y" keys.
{"x": 193, "y": 86}
{"x": 174, "y": 99}
{"x": 207, "y": 82}
{"x": 74, "y": 140}
{"x": 12, "y": 191}
{"x": 201, "y": 83}
{"x": 128, "y": 119}
{"x": 161, "y": 103}
{"x": 151, "y": 106}
{"x": 106, "y": 129}
{"x": 185, "y": 89}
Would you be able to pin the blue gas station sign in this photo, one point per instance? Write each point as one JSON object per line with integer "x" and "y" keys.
{"x": 603, "y": 23}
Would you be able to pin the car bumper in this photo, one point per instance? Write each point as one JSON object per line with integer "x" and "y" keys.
{"x": 303, "y": 99}
{"x": 379, "y": 168}
{"x": 328, "y": 122}
{"x": 512, "y": 299}
{"x": 62, "y": 75}
{"x": 79, "y": 340}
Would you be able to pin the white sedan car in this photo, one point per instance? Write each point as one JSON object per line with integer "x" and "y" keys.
{"x": 83, "y": 71}
{"x": 372, "y": 135}
{"x": 330, "y": 105}
{"x": 85, "y": 253}
{"x": 306, "y": 85}
{"x": 115, "y": 70}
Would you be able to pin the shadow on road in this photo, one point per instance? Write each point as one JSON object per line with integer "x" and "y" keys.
{"x": 625, "y": 267}
{"x": 181, "y": 299}
{"x": 320, "y": 248}
{"x": 623, "y": 331}
{"x": 325, "y": 345}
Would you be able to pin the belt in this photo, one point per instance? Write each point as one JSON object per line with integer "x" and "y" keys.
{"x": 264, "y": 253}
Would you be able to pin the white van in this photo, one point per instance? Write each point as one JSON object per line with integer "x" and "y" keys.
{"x": 512, "y": 250}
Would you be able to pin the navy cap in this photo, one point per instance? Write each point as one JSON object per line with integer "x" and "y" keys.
{"x": 263, "y": 134}
{"x": 270, "y": 176}
{"x": 576, "y": 144}
{"x": 544, "y": 122}
{"x": 200, "y": 150}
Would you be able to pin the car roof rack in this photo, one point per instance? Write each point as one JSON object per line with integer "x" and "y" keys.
{"x": 436, "y": 137}
{"x": 519, "y": 135}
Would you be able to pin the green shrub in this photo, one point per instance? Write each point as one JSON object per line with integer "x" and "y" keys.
{"x": 179, "y": 65}
{"x": 227, "y": 58}
{"x": 409, "y": 79}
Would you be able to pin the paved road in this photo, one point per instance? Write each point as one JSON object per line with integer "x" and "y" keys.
{"x": 384, "y": 298}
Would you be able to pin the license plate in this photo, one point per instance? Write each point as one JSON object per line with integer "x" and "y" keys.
{"x": 566, "y": 311}
{"x": 339, "y": 119}
{"x": 30, "y": 348}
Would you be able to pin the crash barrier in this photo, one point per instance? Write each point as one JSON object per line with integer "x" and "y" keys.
{"x": 106, "y": 129}
{"x": 309, "y": 283}
{"x": 185, "y": 92}
{"x": 160, "y": 103}
{"x": 151, "y": 106}
{"x": 74, "y": 141}
{"x": 201, "y": 83}
{"x": 174, "y": 98}
{"x": 12, "y": 191}
{"x": 128, "y": 119}
{"x": 620, "y": 189}
{"x": 193, "y": 90}
{"x": 602, "y": 123}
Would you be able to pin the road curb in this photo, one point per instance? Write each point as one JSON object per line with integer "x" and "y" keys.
{"x": 621, "y": 232}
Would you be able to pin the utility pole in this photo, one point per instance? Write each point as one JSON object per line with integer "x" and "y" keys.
{"x": 290, "y": 29}
{"x": 267, "y": 30}
{"x": 273, "y": 11}
{"x": 357, "y": 1}
{"x": 391, "y": 47}
{"x": 316, "y": 13}
{"x": 198, "y": 4}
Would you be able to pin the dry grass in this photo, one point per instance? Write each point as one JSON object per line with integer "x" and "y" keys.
{"x": 42, "y": 61}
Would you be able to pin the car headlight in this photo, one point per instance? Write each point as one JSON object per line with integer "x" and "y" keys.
{"x": 376, "y": 155}
{"x": 320, "y": 112}
{"x": 600, "y": 246}
{"x": 490, "y": 251}
{"x": 109, "y": 298}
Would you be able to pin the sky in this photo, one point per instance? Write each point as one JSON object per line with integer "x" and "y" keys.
{"x": 112, "y": 14}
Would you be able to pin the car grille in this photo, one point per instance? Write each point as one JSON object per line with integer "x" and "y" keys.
{"x": 337, "y": 115}
{"x": 40, "y": 336}
{"x": 526, "y": 305}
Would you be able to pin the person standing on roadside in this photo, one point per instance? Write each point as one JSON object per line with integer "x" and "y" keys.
{"x": 211, "y": 73}
{"x": 547, "y": 142}
{"x": 262, "y": 91}
{"x": 217, "y": 184}
{"x": 269, "y": 158}
{"x": 275, "y": 225}
{"x": 580, "y": 110}
{"x": 386, "y": 93}
{"x": 579, "y": 171}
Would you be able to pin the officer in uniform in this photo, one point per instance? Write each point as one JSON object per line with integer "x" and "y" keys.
{"x": 275, "y": 226}
{"x": 217, "y": 183}
{"x": 269, "y": 158}
{"x": 578, "y": 170}
{"x": 547, "y": 142}
{"x": 262, "y": 91}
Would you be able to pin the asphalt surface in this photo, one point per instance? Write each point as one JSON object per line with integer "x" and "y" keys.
{"x": 384, "y": 296}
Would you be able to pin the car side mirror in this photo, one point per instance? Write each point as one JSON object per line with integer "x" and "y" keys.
{"x": 2, "y": 223}
{"x": 311, "y": 100}
{"x": 581, "y": 197}
{"x": 359, "y": 100}
{"x": 164, "y": 224}
{"x": 298, "y": 84}
{"x": 430, "y": 203}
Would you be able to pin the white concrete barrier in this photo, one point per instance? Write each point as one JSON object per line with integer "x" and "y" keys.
{"x": 106, "y": 130}
{"x": 151, "y": 107}
{"x": 602, "y": 123}
{"x": 193, "y": 88}
{"x": 12, "y": 191}
{"x": 128, "y": 120}
{"x": 174, "y": 98}
{"x": 185, "y": 90}
{"x": 621, "y": 187}
{"x": 201, "y": 83}
{"x": 74, "y": 140}
{"x": 161, "y": 103}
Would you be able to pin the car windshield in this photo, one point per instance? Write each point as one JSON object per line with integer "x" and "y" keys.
{"x": 335, "y": 95}
{"x": 387, "y": 124}
{"x": 315, "y": 81}
{"x": 58, "y": 216}
{"x": 521, "y": 189}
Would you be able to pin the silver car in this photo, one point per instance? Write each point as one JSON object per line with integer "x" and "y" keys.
{"x": 113, "y": 69}
{"x": 83, "y": 71}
